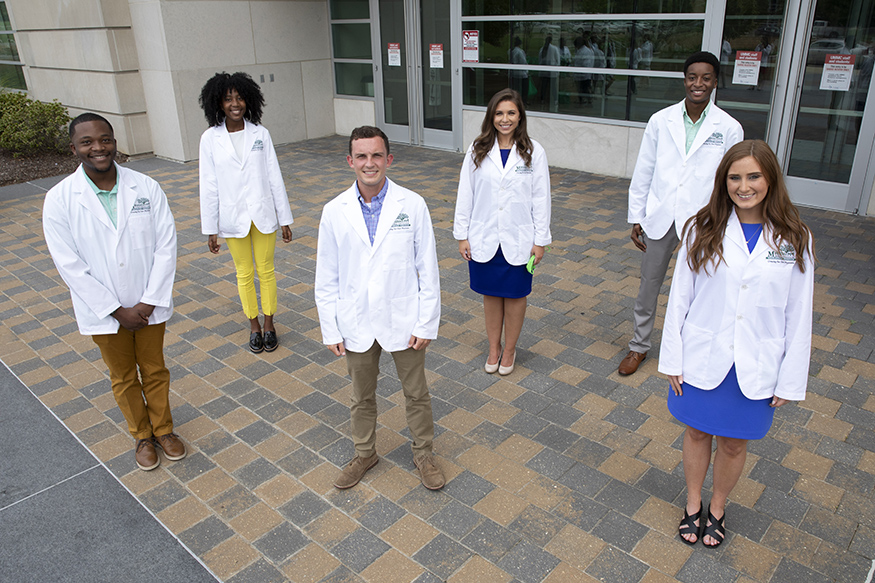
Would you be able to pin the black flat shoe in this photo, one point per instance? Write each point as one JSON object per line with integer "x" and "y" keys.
{"x": 688, "y": 526}
{"x": 270, "y": 341}
{"x": 715, "y": 529}
{"x": 256, "y": 342}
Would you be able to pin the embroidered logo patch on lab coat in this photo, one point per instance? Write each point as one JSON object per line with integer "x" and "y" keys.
{"x": 402, "y": 222}
{"x": 523, "y": 169}
{"x": 142, "y": 205}
{"x": 786, "y": 254}
{"x": 258, "y": 146}
{"x": 715, "y": 139}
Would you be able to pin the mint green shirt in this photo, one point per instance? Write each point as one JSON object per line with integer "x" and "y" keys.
{"x": 108, "y": 199}
{"x": 691, "y": 127}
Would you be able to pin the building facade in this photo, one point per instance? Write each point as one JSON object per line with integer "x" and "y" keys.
{"x": 794, "y": 72}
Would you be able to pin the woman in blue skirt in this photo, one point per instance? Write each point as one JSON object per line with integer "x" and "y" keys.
{"x": 737, "y": 336}
{"x": 502, "y": 220}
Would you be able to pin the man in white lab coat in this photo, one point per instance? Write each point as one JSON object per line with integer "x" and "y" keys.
{"x": 113, "y": 240}
{"x": 673, "y": 178}
{"x": 378, "y": 288}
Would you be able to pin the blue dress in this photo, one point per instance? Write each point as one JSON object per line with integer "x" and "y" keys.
{"x": 497, "y": 277}
{"x": 724, "y": 410}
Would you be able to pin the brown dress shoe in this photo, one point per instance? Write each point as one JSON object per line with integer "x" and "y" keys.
{"x": 146, "y": 456}
{"x": 355, "y": 471}
{"x": 173, "y": 447}
{"x": 631, "y": 363}
{"x": 431, "y": 475}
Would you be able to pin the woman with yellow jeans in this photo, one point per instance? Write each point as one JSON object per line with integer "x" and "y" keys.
{"x": 242, "y": 195}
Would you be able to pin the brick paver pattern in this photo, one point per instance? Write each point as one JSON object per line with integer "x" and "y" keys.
{"x": 561, "y": 472}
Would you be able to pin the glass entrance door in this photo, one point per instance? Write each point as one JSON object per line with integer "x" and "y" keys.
{"x": 829, "y": 117}
{"x": 416, "y": 74}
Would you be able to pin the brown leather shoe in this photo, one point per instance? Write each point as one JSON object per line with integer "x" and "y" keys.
{"x": 631, "y": 363}
{"x": 146, "y": 456}
{"x": 431, "y": 475}
{"x": 173, "y": 447}
{"x": 355, "y": 471}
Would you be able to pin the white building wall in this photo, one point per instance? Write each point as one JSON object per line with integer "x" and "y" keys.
{"x": 82, "y": 53}
{"x": 282, "y": 44}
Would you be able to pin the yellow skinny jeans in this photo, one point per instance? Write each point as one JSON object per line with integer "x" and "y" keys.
{"x": 259, "y": 246}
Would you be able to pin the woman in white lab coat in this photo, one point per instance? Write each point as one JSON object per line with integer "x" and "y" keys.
{"x": 737, "y": 336}
{"x": 242, "y": 195}
{"x": 502, "y": 221}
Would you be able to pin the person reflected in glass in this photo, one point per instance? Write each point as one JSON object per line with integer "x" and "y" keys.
{"x": 583, "y": 57}
{"x": 725, "y": 55}
{"x": 549, "y": 55}
{"x": 737, "y": 337}
{"x": 502, "y": 221}
{"x": 242, "y": 195}
{"x": 564, "y": 53}
{"x": 519, "y": 78}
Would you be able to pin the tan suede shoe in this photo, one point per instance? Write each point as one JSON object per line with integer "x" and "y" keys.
{"x": 432, "y": 477}
{"x": 355, "y": 471}
{"x": 146, "y": 456}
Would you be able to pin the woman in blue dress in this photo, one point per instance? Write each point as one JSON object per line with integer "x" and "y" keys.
{"x": 737, "y": 336}
{"x": 502, "y": 221}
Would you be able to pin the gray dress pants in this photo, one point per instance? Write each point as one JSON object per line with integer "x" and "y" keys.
{"x": 654, "y": 264}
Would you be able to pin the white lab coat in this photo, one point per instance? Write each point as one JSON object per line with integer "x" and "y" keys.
{"x": 107, "y": 267}
{"x": 754, "y": 310}
{"x": 388, "y": 291}
{"x": 235, "y": 193}
{"x": 669, "y": 185}
{"x": 507, "y": 206}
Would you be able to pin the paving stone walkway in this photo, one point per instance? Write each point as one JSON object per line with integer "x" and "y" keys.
{"x": 561, "y": 472}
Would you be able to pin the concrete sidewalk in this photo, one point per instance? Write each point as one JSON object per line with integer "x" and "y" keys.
{"x": 561, "y": 472}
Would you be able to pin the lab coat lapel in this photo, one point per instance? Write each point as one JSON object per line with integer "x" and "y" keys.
{"x": 495, "y": 157}
{"x": 89, "y": 200}
{"x": 734, "y": 232}
{"x": 127, "y": 198}
{"x": 709, "y": 124}
{"x": 224, "y": 139}
{"x": 352, "y": 210}
{"x": 250, "y": 131}
{"x": 392, "y": 205}
{"x": 677, "y": 129}
{"x": 513, "y": 160}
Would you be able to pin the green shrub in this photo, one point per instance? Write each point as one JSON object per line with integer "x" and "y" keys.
{"x": 28, "y": 126}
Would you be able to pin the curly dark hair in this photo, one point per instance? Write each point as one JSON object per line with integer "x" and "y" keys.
{"x": 214, "y": 91}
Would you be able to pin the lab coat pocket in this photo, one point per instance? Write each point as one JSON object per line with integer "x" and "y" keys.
{"x": 347, "y": 320}
{"x": 771, "y": 353}
{"x": 697, "y": 343}
{"x": 140, "y": 231}
{"x": 405, "y": 311}
{"x": 774, "y": 287}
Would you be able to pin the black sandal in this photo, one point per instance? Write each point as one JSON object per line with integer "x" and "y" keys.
{"x": 714, "y": 528}
{"x": 688, "y": 526}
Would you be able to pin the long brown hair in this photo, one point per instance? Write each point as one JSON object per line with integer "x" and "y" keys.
{"x": 484, "y": 142}
{"x": 779, "y": 213}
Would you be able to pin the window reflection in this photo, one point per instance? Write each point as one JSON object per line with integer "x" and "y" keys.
{"x": 514, "y": 7}
{"x": 657, "y": 45}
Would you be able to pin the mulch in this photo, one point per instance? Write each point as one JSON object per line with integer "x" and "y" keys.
{"x": 43, "y": 165}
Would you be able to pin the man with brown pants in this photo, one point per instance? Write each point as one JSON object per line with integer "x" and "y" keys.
{"x": 112, "y": 237}
{"x": 378, "y": 288}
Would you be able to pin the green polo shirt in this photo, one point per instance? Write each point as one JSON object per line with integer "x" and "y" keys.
{"x": 691, "y": 127}
{"x": 108, "y": 198}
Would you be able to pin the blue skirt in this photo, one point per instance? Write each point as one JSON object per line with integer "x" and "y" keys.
{"x": 723, "y": 411}
{"x": 499, "y": 278}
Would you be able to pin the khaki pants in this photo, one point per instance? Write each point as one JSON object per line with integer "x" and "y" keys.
{"x": 654, "y": 265}
{"x": 123, "y": 353}
{"x": 363, "y": 368}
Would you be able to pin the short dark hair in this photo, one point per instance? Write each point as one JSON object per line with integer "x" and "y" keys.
{"x": 365, "y": 132}
{"x": 214, "y": 91}
{"x": 703, "y": 57}
{"x": 86, "y": 117}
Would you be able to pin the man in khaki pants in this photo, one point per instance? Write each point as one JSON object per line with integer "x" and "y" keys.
{"x": 378, "y": 288}
{"x": 112, "y": 237}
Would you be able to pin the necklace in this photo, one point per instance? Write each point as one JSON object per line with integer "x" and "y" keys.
{"x": 755, "y": 234}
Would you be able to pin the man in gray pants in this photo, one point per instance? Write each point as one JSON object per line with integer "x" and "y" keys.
{"x": 673, "y": 178}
